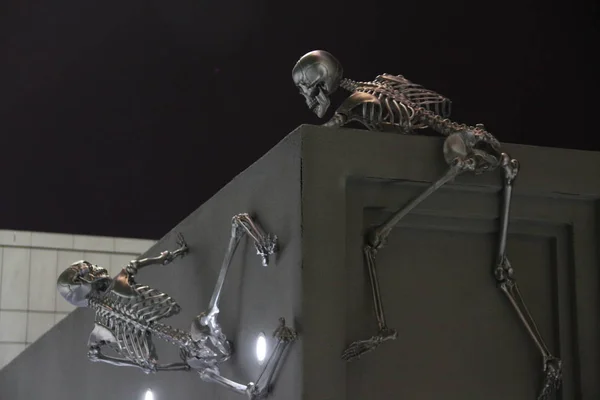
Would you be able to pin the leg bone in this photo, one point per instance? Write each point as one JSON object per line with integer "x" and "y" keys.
{"x": 378, "y": 236}
{"x": 284, "y": 336}
{"x": 376, "y": 240}
{"x": 265, "y": 246}
{"x": 261, "y": 389}
{"x": 504, "y": 275}
{"x": 208, "y": 330}
{"x": 213, "y": 375}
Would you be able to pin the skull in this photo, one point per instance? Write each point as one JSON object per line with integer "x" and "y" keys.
{"x": 78, "y": 281}
{"x": 90, "y": 273}
{"x": 317, "y": 74}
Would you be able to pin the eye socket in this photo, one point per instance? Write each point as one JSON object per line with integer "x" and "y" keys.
{"x": 311, "y": 90}
{"x": 306, "y": 89}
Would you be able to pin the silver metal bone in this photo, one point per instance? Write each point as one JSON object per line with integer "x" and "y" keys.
{"x": 393, "y": 103}
{"x": 128, "y": 315}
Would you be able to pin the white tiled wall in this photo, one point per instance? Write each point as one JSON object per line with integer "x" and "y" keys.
{"x": 30, "y": 262}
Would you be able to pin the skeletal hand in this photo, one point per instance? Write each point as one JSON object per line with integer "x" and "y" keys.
{"x": 284, "y": 333}
{"x": 553, "y": 378}
{"x": 266, "y": 247}
{"x": 360, "y": 347}
{"x": 180, "y": 252}
{"x": 183, "y": 247}
{"x": 269, "y": 245}
{"x": 254, "y": 393}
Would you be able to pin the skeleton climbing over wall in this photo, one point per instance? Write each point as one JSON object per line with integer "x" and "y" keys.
{"x": 393, "y": 103}
{"x": 128, "y": 316}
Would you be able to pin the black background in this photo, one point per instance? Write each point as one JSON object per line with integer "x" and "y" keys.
{"x": 119, "y": 118}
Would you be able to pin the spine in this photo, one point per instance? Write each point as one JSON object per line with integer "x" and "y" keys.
{"x": 172, "y": 335}
{"x": 444, "y": 126}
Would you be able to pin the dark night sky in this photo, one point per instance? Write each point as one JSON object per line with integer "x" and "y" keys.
{"x": 121, "y": 117}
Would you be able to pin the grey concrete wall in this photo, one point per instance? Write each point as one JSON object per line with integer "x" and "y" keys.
{"x": 458, "y": 338}
{"x": 56, "y": 367}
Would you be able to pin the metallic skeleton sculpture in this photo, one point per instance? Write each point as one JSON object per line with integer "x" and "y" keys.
{"x": 128, "y": 315}
{"x": 391, "y": 102}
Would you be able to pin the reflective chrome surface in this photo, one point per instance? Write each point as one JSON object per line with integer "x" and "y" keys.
{"x": 128, "y": 316}
{"x": 392, "y": 102}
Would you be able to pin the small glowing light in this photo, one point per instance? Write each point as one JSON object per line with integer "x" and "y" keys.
{"x": 261, "y": 347}
{"x": 149, "y": 395}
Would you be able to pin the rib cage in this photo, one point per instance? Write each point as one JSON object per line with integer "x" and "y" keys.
{"x": 407, "y": 106}
{"x": 402, "y": 104}
{"x": 390, "y": 109}
{"x": 133, "y": 320}
{"x": 417, "y": 94}
{"x": 151, "y": 305}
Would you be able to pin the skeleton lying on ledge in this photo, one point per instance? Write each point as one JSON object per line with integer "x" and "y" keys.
{"x": 128, "y": 315}
{"x": 393, "y": 103}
